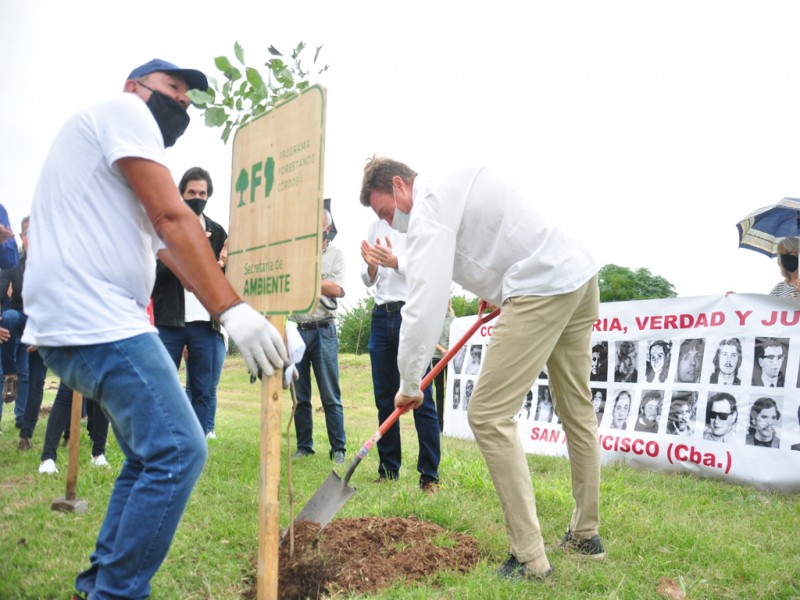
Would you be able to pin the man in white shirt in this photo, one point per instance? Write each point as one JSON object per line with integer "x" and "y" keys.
{"x": 478, "y": 230}
{"x": 105, "y": 176}
{"x": 384, "y": 267}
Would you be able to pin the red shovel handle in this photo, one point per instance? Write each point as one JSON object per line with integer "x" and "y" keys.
{"x": 392, "y": 418}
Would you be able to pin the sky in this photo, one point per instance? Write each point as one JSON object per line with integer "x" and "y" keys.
{"x": 646, "y": 128}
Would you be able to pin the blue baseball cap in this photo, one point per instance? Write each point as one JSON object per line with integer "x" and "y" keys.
{"x": 195, "y": 79}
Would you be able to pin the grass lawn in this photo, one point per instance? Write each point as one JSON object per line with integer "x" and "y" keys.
{"x": 715, "y": 540}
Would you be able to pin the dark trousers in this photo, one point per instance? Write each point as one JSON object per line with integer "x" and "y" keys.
{"x": 383, "y": 344}
{"x": 201, "y": 341}
{"x": 59, "y": 422}
{"x": 439, "y": 384}
{"x": 38, "y": 372}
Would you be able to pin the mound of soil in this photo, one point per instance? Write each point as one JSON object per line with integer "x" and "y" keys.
{"x": 366, "y": 554}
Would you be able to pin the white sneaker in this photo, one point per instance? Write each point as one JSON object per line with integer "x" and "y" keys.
{"x": 48, "y": 466}
{"x": 100, "y": 461}
{"x": 211, "y": 435}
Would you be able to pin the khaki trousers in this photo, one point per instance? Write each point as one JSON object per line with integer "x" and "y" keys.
{"x": 533, "y": 331}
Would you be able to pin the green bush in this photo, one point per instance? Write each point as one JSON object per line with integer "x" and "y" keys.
{"x": 355, "y": 325}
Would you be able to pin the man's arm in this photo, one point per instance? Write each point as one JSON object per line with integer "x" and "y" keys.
{"x": 181, "y": 232}
{"x": 194, "y": 262}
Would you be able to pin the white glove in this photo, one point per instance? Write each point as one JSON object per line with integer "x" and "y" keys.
{"x": 257, "y": 339}
{"x": 297, "y": 348}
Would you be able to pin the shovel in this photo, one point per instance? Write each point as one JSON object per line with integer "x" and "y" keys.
{"x": 329, "y": 498}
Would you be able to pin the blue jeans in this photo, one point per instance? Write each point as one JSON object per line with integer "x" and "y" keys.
{"x": 15, "y": 360}
{"x": 322, "y": 353}
{"x": 216, "y": 373}
{"x": 383, "y": 344}
{"x": 38, "y": 373}
{"x": 137, "y": 387}
{"x": 200, "y": 340}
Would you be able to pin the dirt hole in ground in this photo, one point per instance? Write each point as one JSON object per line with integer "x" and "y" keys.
{"x": 367, "y": 554}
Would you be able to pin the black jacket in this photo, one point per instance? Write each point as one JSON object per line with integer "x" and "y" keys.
{"x": 14, "y": 277}
{"x": 168, "y": 299}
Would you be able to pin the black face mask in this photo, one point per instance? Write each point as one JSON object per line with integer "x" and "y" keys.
{"x": 789, "y": 262}
{"x": 197, "y": 205}
{"x": 171, "y": 117}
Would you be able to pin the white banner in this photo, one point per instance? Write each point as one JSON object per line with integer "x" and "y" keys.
{"x": 706, "y": 385}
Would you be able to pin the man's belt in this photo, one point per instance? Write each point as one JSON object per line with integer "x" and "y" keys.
{"x": 315, "y": 324}
{"x": 389, "y": 306}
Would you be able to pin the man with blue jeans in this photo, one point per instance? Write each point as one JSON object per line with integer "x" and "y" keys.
{"x": 318, "y": 331}
{"x": 106, "y": 176}
{"x": 385, "y": 268}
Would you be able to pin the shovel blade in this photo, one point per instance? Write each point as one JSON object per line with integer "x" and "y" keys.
{"x": 326, "y": 501}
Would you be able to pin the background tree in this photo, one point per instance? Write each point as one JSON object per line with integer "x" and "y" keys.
{"x": 355, "y": 325}
{"x": 621, "y": 283}
{"x": 463, "y": 306}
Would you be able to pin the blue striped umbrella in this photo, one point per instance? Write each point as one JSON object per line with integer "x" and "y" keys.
{"x": 761, "y": 229}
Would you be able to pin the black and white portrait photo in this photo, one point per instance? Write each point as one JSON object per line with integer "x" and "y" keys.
{"x": 621, "y": 410}
{"x": 769, "y": 369}
{"x": 658, "y": 359}
{"x": 599, "y": 402}
{"x": 765, "y": 416}
{"x": 727, "y": 362}
{"x": 473, "y": 366}
{"x": 690, "y": 360}
{"x": 599, "y": 370}
{"x": 682, "y": 413}
{"x": 649, "y": 411}
{"x": 544, "y": 405}
{"x": 625, "y": 365}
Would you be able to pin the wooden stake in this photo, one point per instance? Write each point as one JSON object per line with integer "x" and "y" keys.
{"x": 269, "y": 481}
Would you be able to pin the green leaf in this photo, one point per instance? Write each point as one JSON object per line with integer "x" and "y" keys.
{"x": 199, "y": 98}
{"x": 274, "y": 51}
{"x": 215, "y": 116}
{"x": 239, "y": 52}
{"x": 316, "y": 54}
{"x": 255, "y": 79}
{"x": 227, "y": 132}
{"x": 224, "y": 65}
{"x": 298, "y": 49}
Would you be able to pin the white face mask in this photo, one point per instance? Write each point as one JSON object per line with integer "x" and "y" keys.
{"x": 399, "y": 219}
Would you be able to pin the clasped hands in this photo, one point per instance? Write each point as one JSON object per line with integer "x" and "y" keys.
{"x": 379, "y": 255}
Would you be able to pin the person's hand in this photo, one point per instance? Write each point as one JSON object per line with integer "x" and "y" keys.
{"x": 257, "y": 339}
{"x": 223, "y": 255}
{"x": 5, "y": 234}
{"x": 378, "y": 255}
{"x": 383, "y": 254}
{"x": 5, "y": 335}
{"x": 366, "y": 253}
{"x": 401, "y": 401}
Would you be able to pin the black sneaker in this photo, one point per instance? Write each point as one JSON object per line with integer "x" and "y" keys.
{"x": 591, "y": 548}
{"x": 513, "y": 569}
{"x": 338, "y": 457}
{"x": 301, "y": 452}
